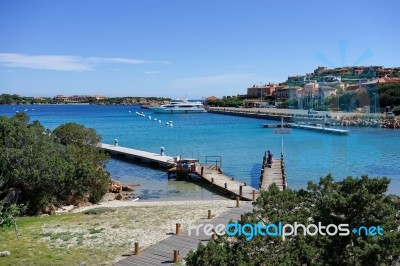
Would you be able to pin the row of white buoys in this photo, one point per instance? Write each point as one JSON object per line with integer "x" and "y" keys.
{"x": 169, "y": 123}
{"x": 26, "y": 110}
{"x": 140, "y": 114}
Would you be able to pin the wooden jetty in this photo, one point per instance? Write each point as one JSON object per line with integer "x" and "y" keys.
{"x": 321, "y": 128}
{"x": 210, "y": 174}
{"x": 153, "y": 159}
{"x": 275, "y": 125}
{"x": 170, "y": 250}
{"x": 273, "y": 174}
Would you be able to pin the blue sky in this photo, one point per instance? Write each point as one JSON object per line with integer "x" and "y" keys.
{"x": 173, "y": 48}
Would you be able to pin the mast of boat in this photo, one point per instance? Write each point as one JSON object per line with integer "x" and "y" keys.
{"x": 282, "y": 135}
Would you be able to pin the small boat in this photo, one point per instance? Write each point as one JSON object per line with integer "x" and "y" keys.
{"x": 181, "y": 106}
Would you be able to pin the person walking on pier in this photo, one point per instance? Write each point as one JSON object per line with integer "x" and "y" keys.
{"x": 269, "y": 159}
{"x": 115, "y": 142}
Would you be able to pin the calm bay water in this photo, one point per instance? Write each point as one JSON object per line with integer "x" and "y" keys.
{"x": 240, "y": 141}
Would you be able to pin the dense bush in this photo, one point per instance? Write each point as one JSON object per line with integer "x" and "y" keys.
{"x": 45, "y": 170}
{"x": 354, "y": 201}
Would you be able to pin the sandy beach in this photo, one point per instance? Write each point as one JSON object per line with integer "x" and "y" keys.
{"x": 125, "y": 222}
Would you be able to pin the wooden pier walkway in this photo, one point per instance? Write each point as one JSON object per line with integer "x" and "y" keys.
{"x": 275, "y": 174}
{"x": 138, "y": 155}
{"x": 322, "y": 129}
{"x": 216, "y": 179}
{"x": 210, "y": 174}
{"x": 162, "y": 253}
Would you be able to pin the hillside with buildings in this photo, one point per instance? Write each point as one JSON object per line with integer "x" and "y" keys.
{"x": 358, "y": 88}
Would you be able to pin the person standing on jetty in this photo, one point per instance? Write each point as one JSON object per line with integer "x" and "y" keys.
{"x": 269, "y": 159}
{"x": 115, "y": 142}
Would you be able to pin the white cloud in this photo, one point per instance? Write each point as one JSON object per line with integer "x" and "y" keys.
{"x": 61, "y": 62}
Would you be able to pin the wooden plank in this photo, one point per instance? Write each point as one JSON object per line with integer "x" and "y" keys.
{"x": 133, "y": 153}
{"x": 161, "y": 253}
{"x": 232, "y": 186}
{"x": 273, "y": 175}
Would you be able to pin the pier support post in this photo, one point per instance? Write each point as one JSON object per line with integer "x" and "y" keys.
{"x": 176, "y": 256}
{"x": 137, "y": 248}
{"x": 202, "y": 171}
{"x": 254, "y": 195}
{"x": 226, "y": 186}
{"x": 209, "y": 214}
{"x": 177, "y": 228}
{"x": 240, "y": 190}
{"x": 237, "y": 202}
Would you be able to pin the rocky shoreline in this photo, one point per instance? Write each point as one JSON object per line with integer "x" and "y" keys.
{"x": 117, "y": 191}
{"x": 368, "y": 122}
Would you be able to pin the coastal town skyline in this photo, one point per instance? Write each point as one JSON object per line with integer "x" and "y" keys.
{"x": 175, "y": 49}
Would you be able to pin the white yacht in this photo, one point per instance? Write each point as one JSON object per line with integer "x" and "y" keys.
{"x": 179, "y": 106}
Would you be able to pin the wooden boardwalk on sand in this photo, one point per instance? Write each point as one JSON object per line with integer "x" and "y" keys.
{"x": 162, "y": 253}
{"x": 210, "y": 174}
{"x": 275, "y": 174}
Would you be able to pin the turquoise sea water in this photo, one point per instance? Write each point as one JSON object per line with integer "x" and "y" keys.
{"x": 240, "y": 141}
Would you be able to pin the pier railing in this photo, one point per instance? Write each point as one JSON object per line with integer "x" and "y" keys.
{"x": 214, "y": 161}
{"x": 270, "y": 114}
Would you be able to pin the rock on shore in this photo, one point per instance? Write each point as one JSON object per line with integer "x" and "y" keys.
{"x": 117, "y": 187}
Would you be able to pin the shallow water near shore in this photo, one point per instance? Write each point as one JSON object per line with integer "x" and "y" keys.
{"x": 240, "y": 141}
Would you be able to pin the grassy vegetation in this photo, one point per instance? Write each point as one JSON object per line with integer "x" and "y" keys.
{"x": 100, "y": 210}
{"x": 37, "y": 246}
{"x": 98, "y": 236}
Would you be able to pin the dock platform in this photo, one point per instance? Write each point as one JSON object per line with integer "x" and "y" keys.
{"x": 153, "y": 159}
{"x": 321, "y": 129}
{"x": 215, "y": 178}
{"x": 275, "y": 174}
{"x": 209, "y": 174}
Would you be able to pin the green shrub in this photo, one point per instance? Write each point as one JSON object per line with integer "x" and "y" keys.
{"x": 100, "y": 210}
{"x": 46, "y": 170}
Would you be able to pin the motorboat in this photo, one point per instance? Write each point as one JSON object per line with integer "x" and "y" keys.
{"x": 179, "y": 106}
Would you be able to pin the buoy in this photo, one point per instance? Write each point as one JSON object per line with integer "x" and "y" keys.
{"x": 149, "y": 117}
{"x": 159, "y": 121}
